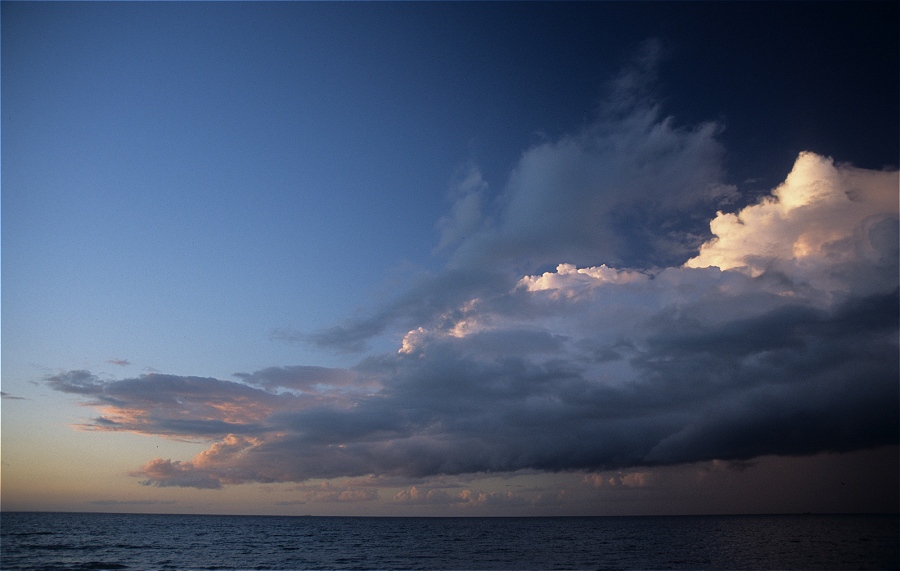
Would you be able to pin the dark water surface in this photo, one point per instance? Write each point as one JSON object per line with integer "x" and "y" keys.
{"x": 51, "y": 541}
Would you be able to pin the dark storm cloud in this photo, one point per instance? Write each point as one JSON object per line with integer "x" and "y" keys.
{"x": 794, "y": 381}
{"x": 668, "y": 332}
{"x": 582, "y": 368}
{"x": 824, "y": 382}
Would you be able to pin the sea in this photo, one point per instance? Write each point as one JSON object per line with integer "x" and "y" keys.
{"x": 82, "y": 541}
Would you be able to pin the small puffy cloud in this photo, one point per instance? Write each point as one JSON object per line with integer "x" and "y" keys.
{"x": 433, "y": 496}
{"x": 567, "y": 278}
{"x": 330, "y": 492}
{"x": 640, "y": 479}
{"x": 465, "y": 498}
{"x": 119, "y": 362}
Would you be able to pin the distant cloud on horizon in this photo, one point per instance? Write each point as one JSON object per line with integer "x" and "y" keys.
{"x": 111, "y": 503}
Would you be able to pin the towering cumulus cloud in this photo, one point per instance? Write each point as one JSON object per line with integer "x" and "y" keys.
{"x": 660, "y": 338}
{"x": 834, "y": 228}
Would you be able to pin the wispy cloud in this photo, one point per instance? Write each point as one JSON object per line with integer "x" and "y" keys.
{"x": 630, "y": 189}
{"x": 658, "y": 339}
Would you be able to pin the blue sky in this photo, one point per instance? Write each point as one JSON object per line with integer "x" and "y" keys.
{"x": 376, "y": 225}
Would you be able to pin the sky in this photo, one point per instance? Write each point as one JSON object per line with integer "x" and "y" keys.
{"x": 450, "y": 259}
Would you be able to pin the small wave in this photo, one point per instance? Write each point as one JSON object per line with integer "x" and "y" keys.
{"x": 62, "y": 547}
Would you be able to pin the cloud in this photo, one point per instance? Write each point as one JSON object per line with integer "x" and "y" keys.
{"x": 212, "y": 408}
{"x": 789, "y": 351}
{"x": 429, "y": 297}
{"x": 330, "y": 492}
{"x": 670, "y": 331}
{"x": 132, "y": 502}
{"x": 632, "y": 188}
{"x": 7, "y": 396}
{"x": 467, "y": 216}
{"x": 119, "y": 362}
{"x": 829, "y": 227}
{"x": 628, "y": 479}
{"x": 164, "y": 473}
{"x": 465, "y": 498}
{"x": 305, "y": 379}
{"x": 77, "y": 382}
{"x": 623, "y": 191}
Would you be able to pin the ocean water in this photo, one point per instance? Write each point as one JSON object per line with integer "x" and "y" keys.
{"x": 53, "y": 541}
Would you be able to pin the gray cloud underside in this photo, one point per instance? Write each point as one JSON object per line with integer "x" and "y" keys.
{"x": 791, "y": 381}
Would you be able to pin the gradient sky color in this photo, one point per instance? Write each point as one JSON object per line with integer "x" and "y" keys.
{"x": 450, "y": 258}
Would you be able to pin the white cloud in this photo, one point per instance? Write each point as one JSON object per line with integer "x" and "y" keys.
{"x": 568, "y": 278}
{"x": 821, "y": 222}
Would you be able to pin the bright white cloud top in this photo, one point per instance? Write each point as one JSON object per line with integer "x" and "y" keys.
{"x": 832, "y": 227}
